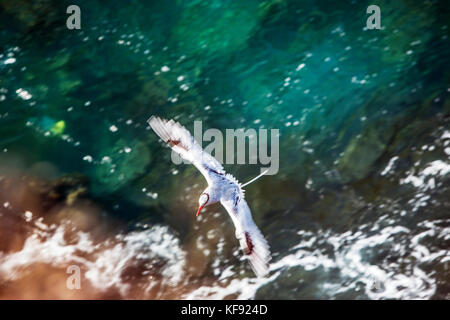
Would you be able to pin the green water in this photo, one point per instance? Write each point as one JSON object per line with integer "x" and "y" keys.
{"x": 359, "y": 207}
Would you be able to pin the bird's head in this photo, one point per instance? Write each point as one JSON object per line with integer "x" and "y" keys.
{"x": 202, "y": 202}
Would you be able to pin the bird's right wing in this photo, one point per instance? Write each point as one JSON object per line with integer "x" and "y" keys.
{"x": 252, "y": 241}
{"x": 182, "y": 142}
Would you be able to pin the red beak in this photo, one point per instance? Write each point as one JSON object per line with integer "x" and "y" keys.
{"x": 199, "y": 209}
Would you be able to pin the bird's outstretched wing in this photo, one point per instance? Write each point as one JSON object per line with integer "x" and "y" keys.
{"x": 182, "y": 142}
{"x": 252, "y": 241}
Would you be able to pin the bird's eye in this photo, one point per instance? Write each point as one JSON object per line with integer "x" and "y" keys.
{"x": 204, "y": 198}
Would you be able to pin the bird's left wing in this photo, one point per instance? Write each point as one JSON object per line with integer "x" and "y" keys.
{"x": 252, "y": 241}
{"x": 182, "y": 142}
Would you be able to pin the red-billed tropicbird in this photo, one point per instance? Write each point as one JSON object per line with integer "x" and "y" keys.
{"x": 222, "y": 187}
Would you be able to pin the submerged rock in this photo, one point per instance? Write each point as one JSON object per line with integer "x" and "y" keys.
{"x": 33, "y": 14}
{"x": 209, "y": 29}
{"x": 362, "y": 152}
{"x": 122, "y": 164}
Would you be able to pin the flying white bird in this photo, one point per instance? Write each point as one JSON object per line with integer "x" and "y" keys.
{"x": 222, "y": 187}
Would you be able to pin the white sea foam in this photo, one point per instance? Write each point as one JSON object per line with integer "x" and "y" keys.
{"x": 383, "y": 280}
{"x": 105, "y": 261}
{"x": 424, "y": 180}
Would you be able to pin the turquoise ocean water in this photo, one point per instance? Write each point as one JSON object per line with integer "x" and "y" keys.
{"x": 358, "y": 210}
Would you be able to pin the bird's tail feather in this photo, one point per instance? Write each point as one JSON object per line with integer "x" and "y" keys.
{"x": 254, "y": 179}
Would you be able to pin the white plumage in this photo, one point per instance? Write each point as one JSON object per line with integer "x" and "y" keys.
{"x": 222, "y": 187}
